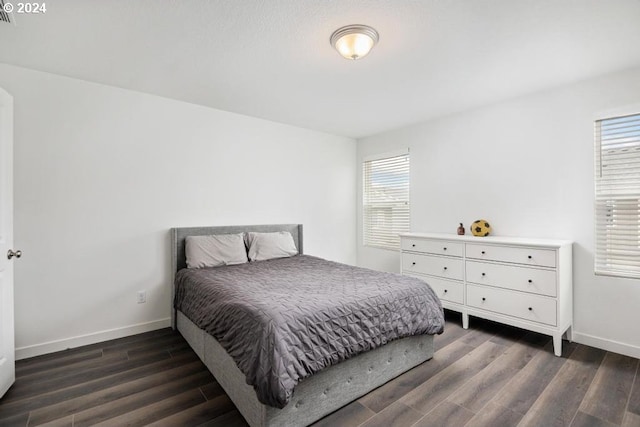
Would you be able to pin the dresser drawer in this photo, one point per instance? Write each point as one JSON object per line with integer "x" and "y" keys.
{"x": 438, "y": 247}
{"x": 535, "y": 308}
{"x": 530, "y": 256}
{"x": 447, "y": 290}
{"x": 449, "y": 268}
{"x": 526, "y": 279}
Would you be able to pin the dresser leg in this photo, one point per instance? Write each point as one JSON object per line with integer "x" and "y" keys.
{"x": 557, "y": 345}
{"x": 465, "y": 321}
{"x": 569, "y": 334}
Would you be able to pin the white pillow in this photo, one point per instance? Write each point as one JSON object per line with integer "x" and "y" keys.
{"x": 215, "y": 251}
{"x": 264, "y": 246}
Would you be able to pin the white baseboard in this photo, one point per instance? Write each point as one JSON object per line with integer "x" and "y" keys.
{"x": 605, "y": 344}
{"x": 96, "y": 337}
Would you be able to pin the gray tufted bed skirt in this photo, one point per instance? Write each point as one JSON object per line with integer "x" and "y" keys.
{"x": 318, "y": 395}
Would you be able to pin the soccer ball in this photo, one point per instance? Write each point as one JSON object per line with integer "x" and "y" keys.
{"x": 480, "y": 228}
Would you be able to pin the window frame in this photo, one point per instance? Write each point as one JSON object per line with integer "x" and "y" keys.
{"x": 606, "y": 237}
{"x": 384, "y": 239}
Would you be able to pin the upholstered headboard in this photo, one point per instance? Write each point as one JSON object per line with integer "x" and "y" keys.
{"x": 178, "y": 236}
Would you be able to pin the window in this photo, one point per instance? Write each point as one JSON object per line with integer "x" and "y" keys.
{"x": 617, "y": 207}
{"x": 386, "y": 199}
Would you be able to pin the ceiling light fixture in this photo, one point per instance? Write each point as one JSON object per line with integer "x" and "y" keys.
{"x": 354, "y": 41}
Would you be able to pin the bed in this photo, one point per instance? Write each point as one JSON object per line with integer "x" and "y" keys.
{"x": 312, "y": 397}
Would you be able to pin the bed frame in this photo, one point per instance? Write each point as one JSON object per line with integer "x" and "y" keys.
{"x": 315, "y": 396}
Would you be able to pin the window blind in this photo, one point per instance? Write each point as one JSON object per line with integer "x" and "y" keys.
{"x": 617, "y": 206}
{"x": 386, "y": 200}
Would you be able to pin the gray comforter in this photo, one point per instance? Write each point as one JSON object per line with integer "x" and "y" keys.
{"x": 282, "y": 320}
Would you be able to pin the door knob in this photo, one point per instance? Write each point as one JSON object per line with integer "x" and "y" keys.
{"x": 11, "y": 254}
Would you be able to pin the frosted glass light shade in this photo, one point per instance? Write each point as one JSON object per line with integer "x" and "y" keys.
{"x": 354, "y": 41}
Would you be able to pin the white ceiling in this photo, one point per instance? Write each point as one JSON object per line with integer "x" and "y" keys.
{"x": 272, "y": 58}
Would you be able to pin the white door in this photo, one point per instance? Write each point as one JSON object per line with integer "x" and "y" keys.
{"x": 7, "y": 346}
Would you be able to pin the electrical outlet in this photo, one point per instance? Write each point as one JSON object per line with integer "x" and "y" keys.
{"x": 142, "y": 297}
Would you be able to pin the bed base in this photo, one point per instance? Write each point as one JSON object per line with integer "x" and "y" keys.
{"x": 317, "y": 395}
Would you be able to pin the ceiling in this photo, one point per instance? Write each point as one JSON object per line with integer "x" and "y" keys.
{"x": 272, "y": 58}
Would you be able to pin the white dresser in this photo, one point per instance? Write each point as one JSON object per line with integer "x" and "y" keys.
{"x": 525, "y": 283}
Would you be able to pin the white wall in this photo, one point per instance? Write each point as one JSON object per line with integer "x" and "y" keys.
{"x": 102, "y": 173}
{"x": 527, "y": 166}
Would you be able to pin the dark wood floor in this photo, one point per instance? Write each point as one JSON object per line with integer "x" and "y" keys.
{"x": 489, "y": 375}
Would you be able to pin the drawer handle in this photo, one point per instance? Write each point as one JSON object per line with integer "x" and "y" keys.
{"x": 413, "y": 246}
{"x": 530, "y": 308}
{"x": 445, "y": 291}
{"x": 530, "y": 281}
{"x": 483, "y": 274}
{"x": 529, "y": 257}
{"x": 444, "y": 249}
{"x": 445, "y": 268}
{"x": 482, "y": 252}
{"x": 413, "y": 263}
{"x": 484, "y": 299}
